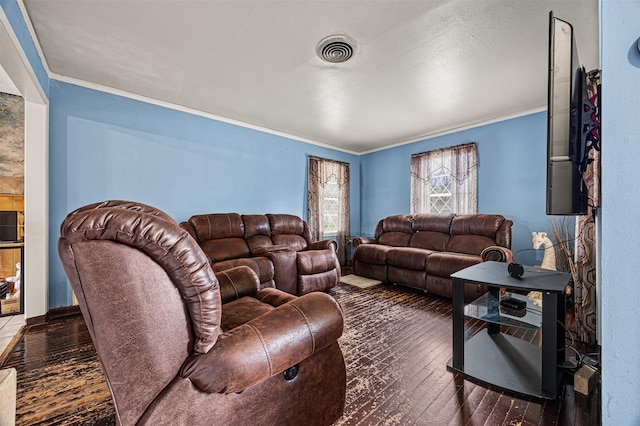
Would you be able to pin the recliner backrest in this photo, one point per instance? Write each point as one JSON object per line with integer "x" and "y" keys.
{"x": 147, "y": 293}
{"x": 221, "y": 235}
{"x": 289, "y": 230}
{"x": 431, "y": 231}
{"x": 257, "y": 231}
{"x": 474, "y": 232}
{"x": 394, "y": 230}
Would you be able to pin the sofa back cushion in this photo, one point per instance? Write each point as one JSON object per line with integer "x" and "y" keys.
{"x": 431, "y": 231}
{"x": 394, "y": 230}
{"x": 257, "y": 231}
{"x": 221, "y": 235}
{"x": 473, "y": 233}
{"x": 289, "y": 230}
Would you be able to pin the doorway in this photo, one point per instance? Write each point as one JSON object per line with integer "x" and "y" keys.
{"x": 17, "y": 67}
{"x": 11, "y": 198}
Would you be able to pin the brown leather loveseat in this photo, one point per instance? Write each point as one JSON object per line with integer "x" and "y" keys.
{"x": 181, "y": 346}
{"x": 278, "y": 247}
{"x": 423, "y": 250}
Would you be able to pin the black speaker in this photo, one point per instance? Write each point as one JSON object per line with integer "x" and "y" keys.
{"x": 515, "y": 270}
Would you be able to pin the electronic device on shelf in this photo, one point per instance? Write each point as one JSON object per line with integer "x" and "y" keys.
{"x": 513, "y": 303}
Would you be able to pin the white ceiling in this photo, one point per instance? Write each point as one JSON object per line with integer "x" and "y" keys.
{"x": 420, "y": 67}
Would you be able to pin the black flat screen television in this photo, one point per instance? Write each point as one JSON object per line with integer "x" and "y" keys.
{"x": 567, "y": 93}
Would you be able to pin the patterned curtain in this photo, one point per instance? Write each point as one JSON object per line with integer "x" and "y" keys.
{"x": 328, "y": 203}
{"x": 584, "y": 276}
{"x": 445, "y": 180}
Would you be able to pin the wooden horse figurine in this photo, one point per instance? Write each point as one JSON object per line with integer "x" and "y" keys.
{"x": 549, "y": 259}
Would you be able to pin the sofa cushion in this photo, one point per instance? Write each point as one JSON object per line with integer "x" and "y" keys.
{"x": 286, "y": 224}
{"x": 397, "y": 223}
{"x": 429, "y": 240}
{"x": 476, "y": 224}
{"x": 256, "y": 224}
{"x": 222, "y": 249}
{"x": 394, "y": 230}
{"x": 217, "y": 225}
{"x": 432, "y": 222}
{"x": 471, "y": 244}
{"x": 242, "y": 310}
{"x": 289, "y": 230}
{"x": 431, "y": 231}
{"x": 473, "y": 233}
{"x": 395, "y": 239}
{"x": 375, "y": 254}
{"x": 257, "y": 232}
{"x": 444, "y": 264}
{"x": 408, "y": 258}
{"x": 262, "y": 266}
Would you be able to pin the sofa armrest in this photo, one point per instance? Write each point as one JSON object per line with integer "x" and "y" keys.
{"x": 274, "y": 296}
{"x": 497, "y": 253}
{"x": 261, "y": 251}
{"x": 267, "y": 345}
{"x": 237, "y": 282}
{"x": 323, "y": 245}
{"x": 363, "y": 240}
{"x": 187, "y": 226}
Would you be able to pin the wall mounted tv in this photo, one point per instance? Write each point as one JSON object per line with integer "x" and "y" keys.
{"x": 567, "y": 93}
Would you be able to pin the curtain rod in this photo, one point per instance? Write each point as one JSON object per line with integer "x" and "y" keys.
{"x": 464, "y": 145}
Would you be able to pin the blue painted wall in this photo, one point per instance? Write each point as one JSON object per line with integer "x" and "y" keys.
{"x": 620, "y": 61}
{"x": 104, "y": 146}
{"x": 511, "y": 177}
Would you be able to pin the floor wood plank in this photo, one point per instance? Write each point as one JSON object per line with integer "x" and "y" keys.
{"x": 396, "y": 344}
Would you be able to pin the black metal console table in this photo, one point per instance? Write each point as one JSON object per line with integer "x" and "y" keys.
{"x": 502, "y": 360}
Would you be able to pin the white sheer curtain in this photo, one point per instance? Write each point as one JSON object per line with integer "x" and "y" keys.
{"x": 445, "y": 180}
{"x": 328, "y": 202}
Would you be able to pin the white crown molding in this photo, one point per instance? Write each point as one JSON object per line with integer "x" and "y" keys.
{"x": 142, "y": 98}
{"x": 32, "y": 33}
{"x": 24, "y": 70}
{"x": 461, "y": 128}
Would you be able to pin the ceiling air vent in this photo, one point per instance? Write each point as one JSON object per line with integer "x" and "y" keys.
{"x": 335, "y": 49}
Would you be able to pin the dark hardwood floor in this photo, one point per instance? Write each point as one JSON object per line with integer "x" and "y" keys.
{"x": 396, "y": 344}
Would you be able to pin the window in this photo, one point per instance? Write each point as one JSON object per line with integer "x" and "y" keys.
{"x": 330, "y": 218}
{"x": 444, "y": 180}
{"x": 328, "y": 202}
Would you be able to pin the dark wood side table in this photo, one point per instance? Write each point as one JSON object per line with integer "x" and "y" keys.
{"x": 501, "y": 360}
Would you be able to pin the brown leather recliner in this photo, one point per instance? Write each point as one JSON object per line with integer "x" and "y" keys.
{"x": 317, "y": 266}
{"x": 180, "y": 347}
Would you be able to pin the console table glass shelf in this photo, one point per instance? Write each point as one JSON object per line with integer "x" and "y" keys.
{"x": 487, "y": 308}
{"x": 501, "y": 360}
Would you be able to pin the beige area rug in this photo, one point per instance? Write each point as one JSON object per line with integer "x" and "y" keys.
{"x": 358, "y": 281}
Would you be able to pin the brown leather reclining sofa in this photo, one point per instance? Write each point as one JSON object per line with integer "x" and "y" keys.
{"x": 423, "y": 250}
{"x": 278, "y": 247}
